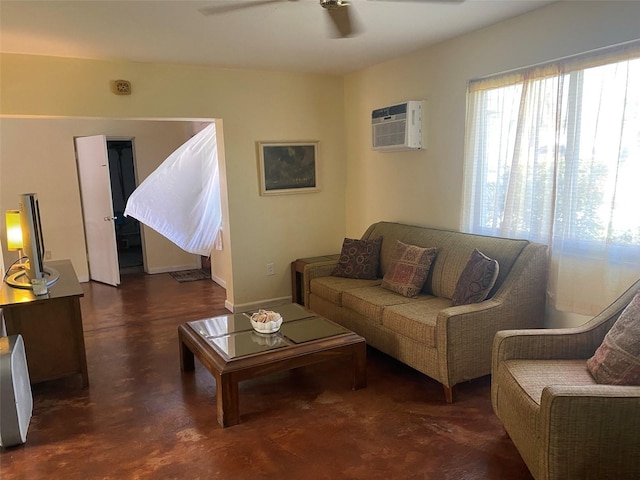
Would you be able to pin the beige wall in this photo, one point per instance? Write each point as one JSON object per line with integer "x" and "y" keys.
{"x": 359, "y": 186}
{"x": 425, "y": 187}
{"x": 37, "y": 155}
{"x": 253, "y": 106}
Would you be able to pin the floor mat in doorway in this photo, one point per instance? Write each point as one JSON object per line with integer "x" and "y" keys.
{"x": 190, "y": 275}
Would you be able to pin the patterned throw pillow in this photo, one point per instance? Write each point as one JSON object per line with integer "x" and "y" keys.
{"x": 617, "y": 359}
{"x": 477, "y": 279}
{"x": 409, "y": 269}
{"x": 359, "y": 259}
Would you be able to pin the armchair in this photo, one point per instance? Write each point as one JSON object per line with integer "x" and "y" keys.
{"x": 563, "y": 423}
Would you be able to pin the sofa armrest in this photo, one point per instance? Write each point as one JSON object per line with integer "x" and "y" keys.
{"x": 315, "y": 270}
{"x": 464, "y": 335}
{"x": 590, "y": 431}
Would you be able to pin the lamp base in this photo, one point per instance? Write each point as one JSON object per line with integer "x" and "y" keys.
{"x": 19, "y": 279}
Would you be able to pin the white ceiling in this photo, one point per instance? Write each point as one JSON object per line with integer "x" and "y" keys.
{"x": 290, "y": 35}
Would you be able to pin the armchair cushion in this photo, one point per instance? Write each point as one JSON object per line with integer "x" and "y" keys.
{"x": 617, "y": 359}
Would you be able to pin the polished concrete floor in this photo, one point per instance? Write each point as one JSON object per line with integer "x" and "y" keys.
{"x": 141, "y": 418}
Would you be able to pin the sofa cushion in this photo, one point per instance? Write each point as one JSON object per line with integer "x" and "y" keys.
{"x": 371, "y": 301}
{"x": 331, "y": 288}
{"x": 416, "y": 320}
{"x": 617, "y": 359}
{"x": 410, "y": 269}
{"x": 359, "y": 259}
{"x": 477, "y": 279}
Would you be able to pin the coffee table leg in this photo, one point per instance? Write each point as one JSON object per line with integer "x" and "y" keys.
{"x": 359, "y": 359}
{"x": 187, "y": 361}
{"x": 227, "y": 400}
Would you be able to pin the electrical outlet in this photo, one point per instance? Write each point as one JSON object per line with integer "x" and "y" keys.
{"x": 47, "y": 255}
{"x": 270, "y": 269}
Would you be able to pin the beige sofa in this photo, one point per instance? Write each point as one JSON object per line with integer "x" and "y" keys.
{"x": 563, "y": 423}
{"x": 451, "y": 344}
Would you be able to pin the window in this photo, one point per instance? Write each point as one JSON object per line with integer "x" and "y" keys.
{"x": 553, "y": 155}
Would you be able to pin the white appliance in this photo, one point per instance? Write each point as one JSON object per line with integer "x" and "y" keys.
{"x": 16, "y": 400}
{"x": 398, "y": 127}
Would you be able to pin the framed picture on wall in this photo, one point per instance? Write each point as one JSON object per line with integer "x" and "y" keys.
{"x": 288, "y": 167}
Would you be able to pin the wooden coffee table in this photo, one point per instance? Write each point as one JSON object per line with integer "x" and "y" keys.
{"x": 232, "y": 351}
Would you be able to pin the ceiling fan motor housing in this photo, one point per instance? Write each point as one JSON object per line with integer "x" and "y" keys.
{"x": 332, "y": 4}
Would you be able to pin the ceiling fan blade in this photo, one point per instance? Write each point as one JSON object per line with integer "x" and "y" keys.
{"x": 233, "y": 6}
{"x": 342, "y": 22}
{"x": 420, "y": 1}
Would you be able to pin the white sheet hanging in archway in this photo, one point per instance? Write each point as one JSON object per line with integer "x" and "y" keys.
{"x": 181, "y": 198}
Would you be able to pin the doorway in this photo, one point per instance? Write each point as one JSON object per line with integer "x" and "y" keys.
{"x": 121, "y": 156}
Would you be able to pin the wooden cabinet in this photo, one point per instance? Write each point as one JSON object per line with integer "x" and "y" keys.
{"x": 51, "y": 326}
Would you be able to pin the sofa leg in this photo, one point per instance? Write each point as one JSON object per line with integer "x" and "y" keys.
{"x": 448, "y": 394}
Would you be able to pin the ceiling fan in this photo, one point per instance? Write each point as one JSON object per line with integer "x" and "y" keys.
{"x": 338, "y": 11}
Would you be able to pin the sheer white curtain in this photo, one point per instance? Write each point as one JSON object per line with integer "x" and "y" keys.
{"x": 553, "y": 155}
{"x": 181, "y": 198}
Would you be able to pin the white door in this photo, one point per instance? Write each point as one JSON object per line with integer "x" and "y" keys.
{"x": 97, "y": 209}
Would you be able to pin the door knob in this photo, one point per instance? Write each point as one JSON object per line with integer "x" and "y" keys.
{"x": 108, "y": 219}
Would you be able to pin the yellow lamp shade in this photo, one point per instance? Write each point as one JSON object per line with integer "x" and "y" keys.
{"x": 14, "y": 230}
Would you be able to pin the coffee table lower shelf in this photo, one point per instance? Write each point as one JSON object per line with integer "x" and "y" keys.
{"x": 228, "y": 372}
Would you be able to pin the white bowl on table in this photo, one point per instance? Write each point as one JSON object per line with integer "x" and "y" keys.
{"x": 266, "y": 321}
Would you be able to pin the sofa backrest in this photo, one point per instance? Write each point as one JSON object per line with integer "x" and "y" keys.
{"x": 454, "y": 250}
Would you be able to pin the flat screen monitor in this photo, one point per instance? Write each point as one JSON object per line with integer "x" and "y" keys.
{"x": 33, "y": 246}
{"x": 32, "y": 240}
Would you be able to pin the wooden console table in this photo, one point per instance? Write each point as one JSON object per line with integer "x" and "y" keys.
{"x": 51, "y": 326}
{"x": 297, "y": 269}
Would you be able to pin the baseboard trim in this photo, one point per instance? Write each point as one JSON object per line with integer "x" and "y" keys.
{"x": 228, "y": 305}
{"x": 219, "y": 281}
{"x": 253, "y": 306}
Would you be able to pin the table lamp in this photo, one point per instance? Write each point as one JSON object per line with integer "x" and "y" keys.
{"x": 14, "y": 233}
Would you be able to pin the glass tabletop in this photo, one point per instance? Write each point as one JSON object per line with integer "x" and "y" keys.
{"x": 234, "y": 336}
{"x": 308, "y": 329}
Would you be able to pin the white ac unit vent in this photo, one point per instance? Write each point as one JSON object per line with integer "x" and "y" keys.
{"x": 398, "y": 127}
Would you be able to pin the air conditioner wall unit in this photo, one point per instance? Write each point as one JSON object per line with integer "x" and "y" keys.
{"x": 398, "y": 127}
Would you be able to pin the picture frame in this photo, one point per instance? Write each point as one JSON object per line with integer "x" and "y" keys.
{"x": 288, "y": 167}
